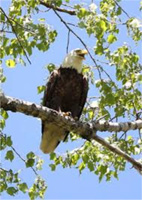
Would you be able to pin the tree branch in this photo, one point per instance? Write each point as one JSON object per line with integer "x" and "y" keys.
{"x": 47, "y": 5}
{"x": 85, "y": 130}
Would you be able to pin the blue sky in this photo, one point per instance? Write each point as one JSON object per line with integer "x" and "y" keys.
{"x": 22, "y": 83}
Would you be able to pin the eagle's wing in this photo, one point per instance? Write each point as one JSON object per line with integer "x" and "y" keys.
{"x": 83, "y": 98}
{"x": 50, "y": 87}
{"x": 51, "y": 133}
{"x": 49, "y": 91}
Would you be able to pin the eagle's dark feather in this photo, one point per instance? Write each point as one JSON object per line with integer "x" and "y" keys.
{"x": 66, "y": 91}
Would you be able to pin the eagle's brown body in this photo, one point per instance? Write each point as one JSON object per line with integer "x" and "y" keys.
{"x": 66, "y": 91}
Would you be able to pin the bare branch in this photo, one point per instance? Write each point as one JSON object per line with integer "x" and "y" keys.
{"x": 47, "y": 5}
{"x": 68, "y": 42}
{"x": 85, "y": 130}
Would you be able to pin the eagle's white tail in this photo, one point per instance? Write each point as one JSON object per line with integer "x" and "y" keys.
{"x": 51, "y": 137}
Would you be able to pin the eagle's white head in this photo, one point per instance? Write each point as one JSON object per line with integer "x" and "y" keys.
{"x": 74, "y": 59}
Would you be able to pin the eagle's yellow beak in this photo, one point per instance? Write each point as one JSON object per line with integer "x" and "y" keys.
{"x": 84, "y": 51}
{"x": 81, "y": 53}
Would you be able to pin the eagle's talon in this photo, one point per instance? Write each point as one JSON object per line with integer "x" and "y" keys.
{"x": 67, "y": 114}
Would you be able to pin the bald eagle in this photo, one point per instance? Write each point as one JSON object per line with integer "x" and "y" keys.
{"x": 66, "y": 91}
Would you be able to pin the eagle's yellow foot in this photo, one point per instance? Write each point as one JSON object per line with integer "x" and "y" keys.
{"x": 65, "y": 114}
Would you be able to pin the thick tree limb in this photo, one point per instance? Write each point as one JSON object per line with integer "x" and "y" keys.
{"x": 85, "y": 130}
{"x": 48, "y": 5}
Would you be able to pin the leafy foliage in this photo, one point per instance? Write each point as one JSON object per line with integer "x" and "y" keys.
{"x": 98, "y": 159}
{"x": 11, "y": 181}
{"x": 119, "y": 92}
{"x": 26, "y": 32}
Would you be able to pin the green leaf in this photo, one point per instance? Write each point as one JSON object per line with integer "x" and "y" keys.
{"x": 30, "y": 155}
{"x": 9, "y": 141}
{"x": 23, "y": 187}
{"x": 50, "y": 67}
{"x": 3, "y": 79}
{"x": 99, "y": 50}
{"x": 102, "y": 169}
{"x": 81, "y": 24}
{"x": 30, "y": 162}
{"x": 111, "y": 38}
{"x": 102, "y": 24}
{"x": 58, "y": 3}
{"x": 40, "y": 88}
{"x": 85, "y": 158}
{"x": 12, "y": 191}
{"x": 53, "y": 167}
{"x": 90, "y": 114}
{"x": 9, "y": 155}
{"x": 91, "y": 166}
{"x": 82, "y": 13}
{"x": 10, "y": 63}
{"x": 119, "y": 11}
{"x": 81, "y": 166}
{"x": 29, "y": 50}
{"x": 52, "y": 35}
{"x": 129, "y": 137}
{"x": 3, "y": 186}
{"x": 52, "y": 156}
{"x": 4, "y": 114}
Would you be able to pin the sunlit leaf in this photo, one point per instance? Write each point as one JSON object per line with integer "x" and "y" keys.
{"x": 10, "y": 63}
{"x": 9, "y": 155}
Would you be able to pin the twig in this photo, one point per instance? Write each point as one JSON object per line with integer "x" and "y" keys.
{"x": 100, "y": 61}
{"x": 68, "y": 42}
{"x": 102, "y": 117}
{"x": 16, "y": 34}
{"x": 122, "y": 9}
{"x": 93, "y": 97}
{"x": 23, "y": 159}
{"x": 66, "y": 5}
{"x": 123, "y": 135}
{"x": 3, "y": 135}
{"x": 111, "y": 119}
{"x": 47, "y": 5}
{"x": 71, "y": 24}
{"x": 3, "y": 31}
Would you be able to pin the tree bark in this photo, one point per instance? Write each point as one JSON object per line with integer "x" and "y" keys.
{"x": 51, "y": 6}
